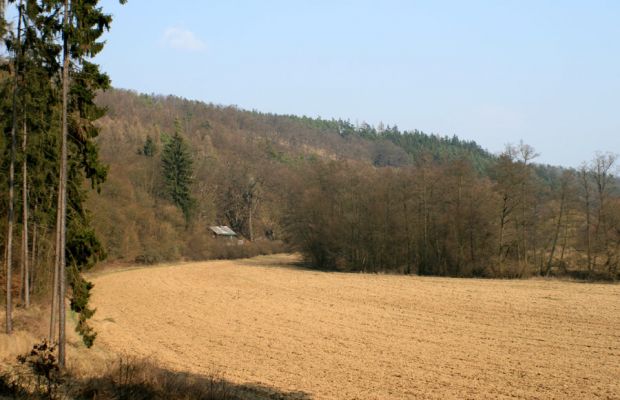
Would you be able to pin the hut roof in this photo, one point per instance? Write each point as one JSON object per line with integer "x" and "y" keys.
{"x": 222, "y": 230}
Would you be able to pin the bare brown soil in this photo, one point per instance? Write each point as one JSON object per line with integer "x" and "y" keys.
{"x": 358, "y": 336}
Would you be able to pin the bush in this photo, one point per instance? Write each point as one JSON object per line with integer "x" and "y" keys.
{"x": 40, "y": 378}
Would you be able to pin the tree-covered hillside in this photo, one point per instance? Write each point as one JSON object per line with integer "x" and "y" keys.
{"x": 348, "y": 197}
{"x": 285, "y": 135}
{"x": 243, "y": 161}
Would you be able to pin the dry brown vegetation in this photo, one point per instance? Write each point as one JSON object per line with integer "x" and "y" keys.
{"x": 349, "y": 197}
{"x": 366, "y": 336}
{"x": 102, "y": 373}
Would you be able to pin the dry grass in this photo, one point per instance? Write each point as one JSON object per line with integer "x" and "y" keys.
{"x": 356, "y": 336}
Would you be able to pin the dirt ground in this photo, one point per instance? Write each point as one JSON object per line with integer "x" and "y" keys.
{"x": 358, "y": 336}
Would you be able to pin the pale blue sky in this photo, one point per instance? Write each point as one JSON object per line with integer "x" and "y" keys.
{"x": 546, "y": 72}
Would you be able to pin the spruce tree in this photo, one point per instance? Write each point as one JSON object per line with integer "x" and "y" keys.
{"x": 149, "y": 149}
{"x": 82, "y": 24}
{"x": 177, "y": 171}
{"x": 17, "y": 82}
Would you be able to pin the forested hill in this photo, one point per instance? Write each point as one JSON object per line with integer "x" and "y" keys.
{"x": 134, "y": 215}
{"x": 287, "y": 136}
{"x": 346, "y": 196}
{"x": 388, "y": 146}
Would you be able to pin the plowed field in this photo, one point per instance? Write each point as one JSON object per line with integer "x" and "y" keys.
{"x": 358, "y": 336}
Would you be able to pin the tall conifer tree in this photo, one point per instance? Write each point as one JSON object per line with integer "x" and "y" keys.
{"x": 177, "y": 170}
{"x": 13, "y": 150}
{"x": 83, "y": 23}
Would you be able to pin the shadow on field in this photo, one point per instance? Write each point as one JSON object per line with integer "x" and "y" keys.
{"x": 135, "y": 380}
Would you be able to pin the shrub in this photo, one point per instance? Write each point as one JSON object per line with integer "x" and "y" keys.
{"x": 42, "y": 379}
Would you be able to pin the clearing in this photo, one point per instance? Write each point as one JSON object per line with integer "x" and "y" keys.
{"x": 359, "y": 336}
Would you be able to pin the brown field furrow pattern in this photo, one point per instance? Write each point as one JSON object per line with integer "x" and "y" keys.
{"x": 359, "y": 336}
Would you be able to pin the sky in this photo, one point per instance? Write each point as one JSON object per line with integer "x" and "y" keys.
{"x": 543, "y": 71}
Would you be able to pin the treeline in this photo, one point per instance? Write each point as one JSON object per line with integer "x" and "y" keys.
{"x": 393, "y": 147}
{"x": 48, "y": 85}
{"x": 244, "y": 164}
{"x": 449, "y": 220}
{"x": 450, "y": 208}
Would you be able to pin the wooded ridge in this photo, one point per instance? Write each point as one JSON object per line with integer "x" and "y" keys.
{"x": 346, "y": 196}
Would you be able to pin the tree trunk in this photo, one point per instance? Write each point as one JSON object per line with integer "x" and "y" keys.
{"x": 424, "y": 264}
{"x": 33, "y": 255}
{"x": 25, "y": 266}
{"x": 502, "y": 226}
{"x": 565, "y": 236}
{"x": 54, "y": 303}
{"x": 457, "y": 227}
{"x": 524, "y": 227}
{"x": 407, "y": 233}
{"x": 586, "y": 188}
{"x": 9, "y": 240}
{"x": 11, "y": 210}
{"x": 63, "y": 194}
{"x": 557, "y": 233}
{"x": 250, "y": 227}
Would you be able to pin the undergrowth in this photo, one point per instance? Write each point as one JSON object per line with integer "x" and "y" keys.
{"x": 37, "y": 376}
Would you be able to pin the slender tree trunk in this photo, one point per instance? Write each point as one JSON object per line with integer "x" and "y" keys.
{"x": 425, "y": 223}
{"x": 565, "y": 236}
{"x": 502, "y": 226}
{"x": 472, "y": 252}
{"x": 54, "y": 303}
{"x": 21, "y": 274}
{"x": 407, "y": 234}
{"x": 25, "y": 266}
{"x": 63, "y": 194}
{"x": 557, "y": 233}
{"x": 250, "y": 227}
{"x": 586, "y": 188}
{"x": 457, "y": 226}
{"x": 524, "y": 226}
{"x": 11, "y": 209}
{"x": 20, "y": 290}
{"x": 9, "y": 240}
{"x": 33, "y": 254}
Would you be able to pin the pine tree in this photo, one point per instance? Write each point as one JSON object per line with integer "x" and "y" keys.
{"x": 177, "y": 171}
{"x": 83, "y": 23}
{"x": 62, "y": 191}
{"x": 56, "y": 158}
{"x": 39, "y": 70}
{"x": 149, "y": 149}
{"x": 11, "y": 206}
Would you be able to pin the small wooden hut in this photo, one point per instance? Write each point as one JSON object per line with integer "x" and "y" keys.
{"x": 223, "y": 232}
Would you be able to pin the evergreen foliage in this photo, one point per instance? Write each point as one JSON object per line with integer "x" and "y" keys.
{"x": 149, "y": 149}
{"x": 177, "y": 170}
{"x": 39, "y": 110}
